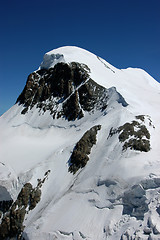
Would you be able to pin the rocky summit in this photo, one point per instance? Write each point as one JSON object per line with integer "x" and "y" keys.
{"x": 79, "y": 155}
{"x": 66, "y": 90}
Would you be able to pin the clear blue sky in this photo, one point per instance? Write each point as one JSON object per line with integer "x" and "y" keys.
{"x": 126, "y": 33}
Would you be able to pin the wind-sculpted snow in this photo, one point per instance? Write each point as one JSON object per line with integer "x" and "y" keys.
{"x": 79, "y": 114}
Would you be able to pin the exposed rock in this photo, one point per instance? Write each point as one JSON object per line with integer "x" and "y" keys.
{"x": 12, "y": 222}
{"x": 65, "y": 91}
{"x": 16, "y": 221}
{"x": 142, "y": 145}
{"x": 58, "y": 82}
{"x": 34, "y": 198}
{"x": 72, "y": 108}
{"x": 23, "y": 198}
{"x": 141, "y": 117}
{"x": 79, "y": 157}
{"x": 92, "y": 96}
{"x": 5, "y": 227}
{"x": 133, "y": 129}
{"x": 134, "y": 135}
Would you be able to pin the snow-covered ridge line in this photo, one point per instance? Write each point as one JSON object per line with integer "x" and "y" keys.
{"x": 129, "y": 82}
{"x": 69, "y": 54}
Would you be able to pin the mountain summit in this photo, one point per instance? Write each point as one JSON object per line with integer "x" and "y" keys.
{"x": 65, "y": 88}
{"x": 79, "y": 152}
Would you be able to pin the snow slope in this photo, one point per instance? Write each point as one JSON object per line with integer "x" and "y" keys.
{"x": 90, "y": 203}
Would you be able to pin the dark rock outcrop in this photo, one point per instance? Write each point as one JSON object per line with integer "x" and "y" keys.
{"x": 79, "y": 157}
{"x": 12, "y": 222}
{"x": 138, "y": 132}
{"x": 65, "y": 91}
{"x": 134, "y": 135}
{"x": 57, "y": 85}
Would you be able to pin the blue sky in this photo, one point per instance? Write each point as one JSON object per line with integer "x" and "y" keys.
{"x": 126, "y": 33}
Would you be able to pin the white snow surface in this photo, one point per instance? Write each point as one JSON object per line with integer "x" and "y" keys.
{"x": 77, "y": 206}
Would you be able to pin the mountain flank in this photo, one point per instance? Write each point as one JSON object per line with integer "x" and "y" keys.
{"x": 79, "y": 153}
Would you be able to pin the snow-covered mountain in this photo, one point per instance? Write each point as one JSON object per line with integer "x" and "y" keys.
{"x": 79, "y": 153}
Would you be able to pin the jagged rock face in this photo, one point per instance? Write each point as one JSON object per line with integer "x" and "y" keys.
{"x": 65, "y": 90}
{"x": 134, "y": 135}
{"x": 79, "y": 157}
{"x": 12, "y": 221}
{"x": 58, "y": 86}
{"x": 138, "y": 142}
